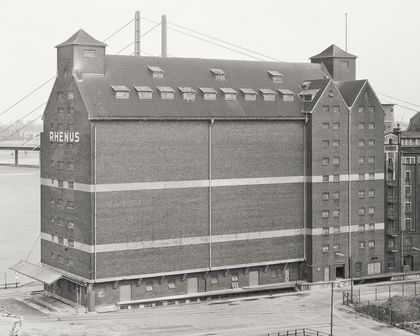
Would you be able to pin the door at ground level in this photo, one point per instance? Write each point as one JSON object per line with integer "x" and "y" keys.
{"x": 339, "y": 272}
{"x": 192, "y": 285}
{"x": 374, "y": 268}
{"x": 327, "y": 273}
{"x": 125, "y": 293}
{"x": 254, "y": 278}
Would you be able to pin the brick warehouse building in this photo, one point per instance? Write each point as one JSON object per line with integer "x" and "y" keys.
{"x": 169, "y": 176}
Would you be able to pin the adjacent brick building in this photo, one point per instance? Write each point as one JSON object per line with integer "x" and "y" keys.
{"x": 167, "y": 176}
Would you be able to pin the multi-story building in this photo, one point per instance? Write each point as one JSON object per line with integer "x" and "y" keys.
{"x": 168, "y": 176}
{"x": 402, "y": 150}
{"x": 389, "y": 117}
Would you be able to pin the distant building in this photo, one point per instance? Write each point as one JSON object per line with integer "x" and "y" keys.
{"x": 389, "y": 117}
{"x": 168, "y": 176}
{"x": 402, "y": 152}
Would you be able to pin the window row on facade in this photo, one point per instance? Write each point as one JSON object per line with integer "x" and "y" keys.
{"x": 60, "y": 203}
{"x": 60, "y": 259}
{"x": 328, "y": 230}
{"x": 336, "y": 177}
{"x": 60, "y": 183}
{"x": 69, "y": 165}
{"x": 336, "y": 109}
{"x": 62, "y": 222}
{"x": 360, "y": 126}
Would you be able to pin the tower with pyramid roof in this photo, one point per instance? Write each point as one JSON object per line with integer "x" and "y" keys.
{"x": 340, "y": 64}
{"x": 79, "y": 54}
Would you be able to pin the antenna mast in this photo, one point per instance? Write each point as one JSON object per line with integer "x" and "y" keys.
{"x": 346, "y": 32}
{"x": 137, "y": 34}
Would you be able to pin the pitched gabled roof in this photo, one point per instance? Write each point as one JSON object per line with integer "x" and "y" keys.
{"x": 333, "y": 51}
{"x": 317, "y": 87}
{"x": 188, "y": 72}
{"x": 81, "y": 38}
{"x": 349, "y": 90}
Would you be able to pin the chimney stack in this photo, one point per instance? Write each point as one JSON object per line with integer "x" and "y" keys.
{"x": 164, "y": 52}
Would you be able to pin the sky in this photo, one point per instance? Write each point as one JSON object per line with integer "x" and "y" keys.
{"x": 383, "y": 34}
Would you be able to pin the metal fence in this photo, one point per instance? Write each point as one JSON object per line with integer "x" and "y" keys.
{"x": 298, "y": 332}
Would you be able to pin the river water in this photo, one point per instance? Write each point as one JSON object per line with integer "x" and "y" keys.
{"x": 19, "y": 216}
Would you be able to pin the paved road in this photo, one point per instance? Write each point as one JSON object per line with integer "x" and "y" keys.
{"x": 245, "y": 317}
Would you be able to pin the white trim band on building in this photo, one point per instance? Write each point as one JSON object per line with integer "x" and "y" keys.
{"x": 163, "y": 185}
{"x": 185, "y": 241}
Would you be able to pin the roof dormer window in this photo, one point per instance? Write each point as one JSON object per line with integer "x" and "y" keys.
{"x": 308, "y": 95}
{"x": 144, "y": 92}
{"x": 121, "y": 91}
{"x": 188, "y": 93}
{"x": 268, "y": 95}
{"x": 229, "y": 93}
{"x": 276, "y": 76}
{"x": 249, "y": 94}
{"x": 156, "y": 71}
{"x": 208, "y": 93}
{"x": 287, "y": 95}
{"x": 218, "y": 74}
{"x": 305, "y": 85}
{"x": 166, "y": 92}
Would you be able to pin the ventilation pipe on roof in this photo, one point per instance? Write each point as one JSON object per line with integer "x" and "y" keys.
{"x": 137, "y": 34}
{"x": 164, "y": 52}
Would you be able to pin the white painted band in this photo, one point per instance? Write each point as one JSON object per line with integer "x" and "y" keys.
{"x": 163, "y": 185}
{"x": 185, "y": 241}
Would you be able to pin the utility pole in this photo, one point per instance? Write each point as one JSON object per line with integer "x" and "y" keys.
{"x": 137, "y": 34}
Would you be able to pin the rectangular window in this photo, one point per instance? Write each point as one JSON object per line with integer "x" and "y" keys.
{"x": 407, "y": 207}
{"x": 407, "y": 175}
{"x": 336, "y": 109}
{"x": 391, "y": 262}
{"x": 60, "y": 164}
{"x": 371, "y": 125}
{"x": 391, "y": 242}
{"x": 70, "y": 95}
{"x": 371, "y": 142}
{"x": 326, "y": 109}
{"x": 336, "y": 213}
{"x": 89, "y": 53}
{"x": 361, "y": 143}
{"x": 149, "y": 287}
{"x": 336, "y": 143}
{"x": 234, "y": 277}
{"x": 325, "y": 143}
{"x": 325, "y": 178}
{"x": 362, "y": 244}
{"x": 325, "y": 213}
{"x": 336, "y": 126}
{"x": 371, "y": 109}
{"x": 325, "y": 126}
{"x": 371, "y": 193}
{"x": 60, "y": 96}
{"x": 70, "y": 205}
{"x": 325, "y": 230}
{"x": 59, "y": 202}
{"x": 336, "y": 247}
{"x": 408, "y": 224}
{"x": 361, "y": 211}
{"x": 336, "y": 195}
{"x": 361, "y": 194}
{"x": 52, "y": 200}
{"x": 60, "y": 221}
{"x": 371, "y": 159}
{"x": 171, "y": 284}
{"x": 326, "y": 248}
{"x": 325, "y": 196}
{"x": 407, "y": 191}
{"x": 336, "y": 160}
{"x": 60, "y": 259}
{"x": 71, "y": 185}
{"x": 60, "y": 240}
{"x": 361, "y": 109}
{"x": 70, "y": 165}
{"x": 325, "y": 161}
{"x": 70, "y": 243}
{"x": 361, "y": 126}
{"x": 371, "y": 211}
{"x": 361, "y": 159}
{"x": 70, "y": 109}
{"x": 70, "y": 224}
{"x": 371, "y": 243}
{"x": 371, "y": 227}
{"x": 371, "y": 176}
{"x": 408, "y": 241}
{"x": 335, "y": 230}
{"x": 361, "y": 227}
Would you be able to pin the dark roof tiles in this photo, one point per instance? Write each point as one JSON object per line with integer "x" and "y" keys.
{"x": 81, "y": 38}
{"x": 333, "y": 52}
